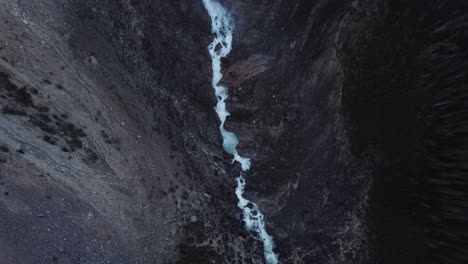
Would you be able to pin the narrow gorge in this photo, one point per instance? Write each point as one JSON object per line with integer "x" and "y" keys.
{"x": 222, "y": 27}
{"x": 338, "y": 134}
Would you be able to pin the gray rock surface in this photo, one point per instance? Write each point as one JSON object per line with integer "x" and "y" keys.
{"x": 110, "y": 151}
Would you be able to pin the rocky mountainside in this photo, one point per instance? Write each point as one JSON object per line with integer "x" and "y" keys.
{"x": 353, "y": 112}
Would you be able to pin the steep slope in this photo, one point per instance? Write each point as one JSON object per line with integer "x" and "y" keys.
{"x": 353, "y": 112}
{"x": 100, "y": 162}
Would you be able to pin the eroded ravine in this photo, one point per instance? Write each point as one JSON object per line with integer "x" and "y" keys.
{"x": 222, "y": 26}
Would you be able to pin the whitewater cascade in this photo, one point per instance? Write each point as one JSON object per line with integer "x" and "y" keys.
{"x": 222, "y": 26}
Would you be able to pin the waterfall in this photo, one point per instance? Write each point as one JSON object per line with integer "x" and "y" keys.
{"x": 222, "y": 27}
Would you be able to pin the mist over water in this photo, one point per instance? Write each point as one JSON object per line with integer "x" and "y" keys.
{"x": 222, "y": 27}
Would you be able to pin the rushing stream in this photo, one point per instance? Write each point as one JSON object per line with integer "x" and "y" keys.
{"x": 222, "y": 26}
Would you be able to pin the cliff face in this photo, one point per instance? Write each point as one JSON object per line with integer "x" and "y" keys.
{"x": 405, "y": 100}
{"x": 288, "y": 115}
{"x": 110, "y": 150}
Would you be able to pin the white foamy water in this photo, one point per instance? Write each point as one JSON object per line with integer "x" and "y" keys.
{"x": 222, "y": 27}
